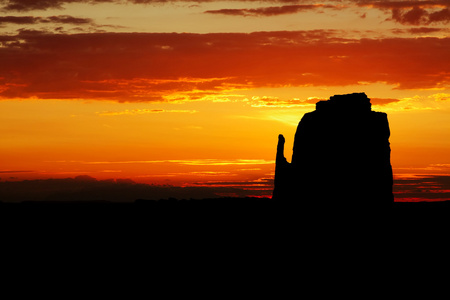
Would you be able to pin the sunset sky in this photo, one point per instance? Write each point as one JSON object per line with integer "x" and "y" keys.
{"x": 195, "y": 93}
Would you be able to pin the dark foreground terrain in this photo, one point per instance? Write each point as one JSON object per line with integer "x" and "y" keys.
{"x": 211, "y": 203}
{"x": 244, "y": 227}
{"x": 216, "y": 209}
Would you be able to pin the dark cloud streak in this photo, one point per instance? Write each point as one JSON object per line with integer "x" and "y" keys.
{"x": 270, "y": 11}
{"x": 424, "y": 30}
{"x": 414, "y": 12}
{"x": 63, "y": 19}
{"x": 423, "y": 188}
{"x": 402, "y": 4}
{"x": 29, "y": 5}
{"x": 419, "y": 16}
{"x": 19, "y": 20}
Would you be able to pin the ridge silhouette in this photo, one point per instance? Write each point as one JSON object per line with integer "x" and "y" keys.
{"x": 341, "y": 156}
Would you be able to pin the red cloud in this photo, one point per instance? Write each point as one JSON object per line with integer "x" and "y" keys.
{"x": 151, "y": 66}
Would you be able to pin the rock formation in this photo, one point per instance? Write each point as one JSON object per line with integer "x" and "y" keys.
{"x": 341, "y": 156}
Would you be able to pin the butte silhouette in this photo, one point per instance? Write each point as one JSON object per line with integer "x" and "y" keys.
{"x": 341, "y": 156}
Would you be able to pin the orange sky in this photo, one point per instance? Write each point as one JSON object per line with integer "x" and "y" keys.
{"x": 195, "y": 93}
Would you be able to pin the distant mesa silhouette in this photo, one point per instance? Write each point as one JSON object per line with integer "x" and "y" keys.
{"x": 341, "y": 156}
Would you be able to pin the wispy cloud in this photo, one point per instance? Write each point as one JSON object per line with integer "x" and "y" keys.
{"x": 190, "y": 162}
{"x": 219, "y": 162}
{"x": 275, "y": 102}
{"x": 14, "y": 171}
{"x": 440, "y": 97}
{"x": 143, "y": 111}
{"x": 415, "y": 103}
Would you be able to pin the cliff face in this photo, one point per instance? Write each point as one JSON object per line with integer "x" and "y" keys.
{"x": 341, "y": 155}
